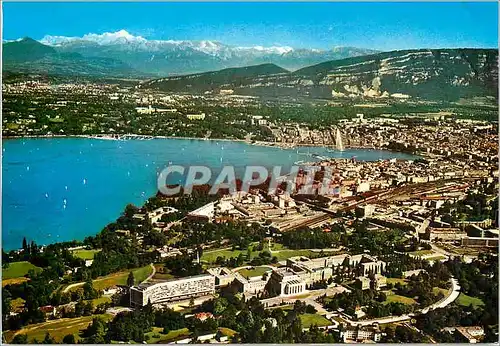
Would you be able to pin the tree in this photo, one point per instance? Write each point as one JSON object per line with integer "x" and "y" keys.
{"x": 130, "y": 279}
{"x": 48, "y": 339}
{"x": 191, "y": 302}
{"x": 20, "y": 339}
{"x": 69, "y": 339}
{"x": 25, "y": 245}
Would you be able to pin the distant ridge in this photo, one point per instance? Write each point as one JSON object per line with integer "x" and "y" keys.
{"x": 226, "y": 78}
{"x": 178, "y": 57}
{"x": 434, "y": 74}
{"x": 30, "y": 56}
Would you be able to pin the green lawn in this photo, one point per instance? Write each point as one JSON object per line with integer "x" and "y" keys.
{"x": 396, "y": 298}
{"x": 18, "y": 269}
{"x": 227, "y": 331}
{"x": 466, "y": 300}
{"x": 211, "y": 256}
{"x": 57, "y": 328}
{"x": 396, "y": 280}
{"x": 435, "y": 258}
{"x": 156, "y": 336}
{"x": 310, "y": 319}
{"x": 101, "y": 300}
{"x": 85, "y": 254}
{"x": 436, "y": 290}
{"x": 421, "y": 252}
{"x": 257, "y": 271}
{"x": 281, "y": 253}
{"x": 119, "y": 278}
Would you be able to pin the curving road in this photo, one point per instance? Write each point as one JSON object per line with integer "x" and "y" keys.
{"x": 455, "y": 291}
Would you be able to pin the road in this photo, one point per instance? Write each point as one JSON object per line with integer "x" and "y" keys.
{"x": 455, "y": 291}
{"x": 67, "y": 288}
{"x": 152, "y": 274}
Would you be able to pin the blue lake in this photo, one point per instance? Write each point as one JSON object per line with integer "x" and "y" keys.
{"x": 60, "y": 189}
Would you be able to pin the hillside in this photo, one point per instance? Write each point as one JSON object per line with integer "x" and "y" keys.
{"x": 30, "y": 56}
{"x": 441, "y": 74}
{"x": 224, "y": 79}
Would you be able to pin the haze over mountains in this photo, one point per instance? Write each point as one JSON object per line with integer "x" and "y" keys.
{"x": 167, "y": 57}
{"x": 208, "y": 66}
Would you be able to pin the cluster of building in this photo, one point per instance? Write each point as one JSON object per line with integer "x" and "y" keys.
{"x": 289, "y": 280}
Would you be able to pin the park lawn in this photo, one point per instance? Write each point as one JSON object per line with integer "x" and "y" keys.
{"x": 18, "y": 269}
{"x": 85, "y": 254}
{"x": 227, "y": 331}
{"x": 281, "y": 252}
{"x": 396, "y": 298}
{"x": 119, "y": 278}
{"x": 101, "y": 300}
{"x": 14, "y": 281}
{"x": 58, "y": 329}
{"x": 163, "y": 338}
{"x": 436, "y": 258}
{"x": 286, "y": 254}
{"x": 257, "y": 271}
{"x": 396, "y": 280}
{"x": 466, "y": 300}
{"x": 310, "y": 319}
{"x": 421, "y": 252}
{"x": 211, "y": 256}
{"x": 436, "y": 290}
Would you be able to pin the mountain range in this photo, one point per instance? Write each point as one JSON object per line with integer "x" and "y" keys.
{"x": 209, "y": 66}
{"x": 437, "y": 74}
{"x": 168, "y": 57}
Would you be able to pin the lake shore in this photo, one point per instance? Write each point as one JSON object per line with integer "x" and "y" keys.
{"x": 258, "y": 143}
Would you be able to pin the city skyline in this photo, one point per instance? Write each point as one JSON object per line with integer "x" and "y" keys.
{"x": 380, "y": 26}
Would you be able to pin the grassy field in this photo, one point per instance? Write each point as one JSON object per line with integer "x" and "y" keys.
{"x": 435, "y": 258}
{"x": 211, "y": 256}
{"x": 310, "y": 319}
{"x": 101, "y": 300}
{"x": 257, "y": 271}
{"x": 18, "y": 269}
{"x": 466, "y": 300}
{"x": 156, "y": 336}
{"x": 120, "y": 278}
{"x": 396, "y": 298}
{"x": 85, "y": 254}
{"x": 436, "y": 290}
{"x": 227, "y": 331}
{"x": 396, "y": 280}
{"x": 421, "y": 252}
{"x": 57, "y": 328}
{"x": 281, "y": 252}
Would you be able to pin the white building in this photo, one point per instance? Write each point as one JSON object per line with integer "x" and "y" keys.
{"x": 172, "y": 290}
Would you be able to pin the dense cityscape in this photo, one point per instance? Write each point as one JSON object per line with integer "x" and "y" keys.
{"x": 388, "y": 254}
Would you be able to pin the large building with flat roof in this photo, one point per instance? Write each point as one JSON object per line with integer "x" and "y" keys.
{"x": 172, "y": 290}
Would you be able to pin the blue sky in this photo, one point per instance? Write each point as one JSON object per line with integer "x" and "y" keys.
{"x": 383, "y": 26}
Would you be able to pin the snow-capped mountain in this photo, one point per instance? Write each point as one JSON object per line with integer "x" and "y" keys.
{"x": 171, "y": 57}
